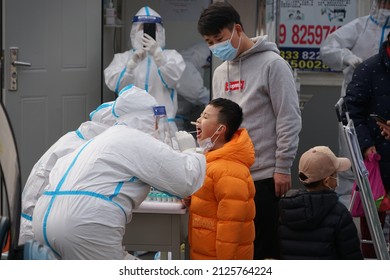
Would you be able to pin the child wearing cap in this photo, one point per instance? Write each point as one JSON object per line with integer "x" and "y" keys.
{"x": 313, "y": 223}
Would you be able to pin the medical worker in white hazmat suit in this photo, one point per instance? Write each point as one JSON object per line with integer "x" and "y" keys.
{"x": 92, "y": 192}
{"x": 148, "y": 65}
{"x": 100, "y": 120}
{"x": 346, "y": 48}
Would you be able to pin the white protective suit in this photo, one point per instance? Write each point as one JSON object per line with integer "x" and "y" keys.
{"x": 193, "y": 95}
{"x": 157, "y": 77}
{"x": 93, "y": 191}
{"x": 101, "y": 119}
{"x": 343, "y": 50}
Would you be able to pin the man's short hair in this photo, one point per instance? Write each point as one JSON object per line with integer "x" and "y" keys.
{"x": 216, "y": 17}
{"x": 230, "y": 114}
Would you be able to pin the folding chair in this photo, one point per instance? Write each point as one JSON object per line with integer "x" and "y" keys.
{"x": 363, "y": 184}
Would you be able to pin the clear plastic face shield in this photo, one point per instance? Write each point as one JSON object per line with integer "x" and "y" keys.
{"x": 380, "y": 9}
{"x": 146, "y": 19}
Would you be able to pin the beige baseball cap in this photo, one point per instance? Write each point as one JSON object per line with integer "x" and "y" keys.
{"x": 320, "y": 162}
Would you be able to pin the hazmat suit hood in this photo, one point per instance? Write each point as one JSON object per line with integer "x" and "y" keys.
{"x": 134, "y": 108}
{"x": 103, "y": 114}
{"x": 146, "y": 14}
{"x": 89, "y": 129}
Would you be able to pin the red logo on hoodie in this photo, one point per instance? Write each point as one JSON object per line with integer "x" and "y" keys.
{"x": 234, "y": 86}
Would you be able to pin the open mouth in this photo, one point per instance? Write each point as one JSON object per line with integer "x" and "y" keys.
{"x": 198, "y": 132}
{"x": 198, "y": 129}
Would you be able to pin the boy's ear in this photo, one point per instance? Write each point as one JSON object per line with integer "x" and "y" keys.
{"x": 222, "y": 129}
{"x": 325, "y": 181}
{"x": 238, "y": 28}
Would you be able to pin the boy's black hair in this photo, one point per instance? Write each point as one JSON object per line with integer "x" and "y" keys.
{"x": 216, "y": 17}
{"x": 230, "y": 114}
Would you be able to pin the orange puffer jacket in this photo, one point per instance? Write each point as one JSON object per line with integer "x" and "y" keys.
{"x": 222, "y": 210}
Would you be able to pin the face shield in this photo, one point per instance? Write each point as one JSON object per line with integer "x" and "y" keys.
{"x": 149, "y": 16}
{"x": 380, "y": 12}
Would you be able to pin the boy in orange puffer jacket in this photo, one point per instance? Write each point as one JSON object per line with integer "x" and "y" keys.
{"x": 222, "y": 211}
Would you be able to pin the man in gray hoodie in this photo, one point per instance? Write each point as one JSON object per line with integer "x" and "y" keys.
{"x": 256, "y": 77}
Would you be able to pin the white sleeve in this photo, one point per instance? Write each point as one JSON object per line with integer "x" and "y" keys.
{"x": 158, "y": 165}
{"x": 116, "y": 75}
{"x": 339, "y": 44}
{"x": 172, "y": 67}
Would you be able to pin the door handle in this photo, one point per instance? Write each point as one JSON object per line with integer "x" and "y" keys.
{"x": 21, "y": 63}
{"x": 14, "y": 62}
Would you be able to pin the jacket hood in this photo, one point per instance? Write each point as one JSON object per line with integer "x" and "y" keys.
{"x": 261, "y": 45}
{"x": 306, "y": 210}
{"x": 239, "y": 149}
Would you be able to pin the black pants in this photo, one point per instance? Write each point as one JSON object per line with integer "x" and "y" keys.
{"x": 266, "y": 243}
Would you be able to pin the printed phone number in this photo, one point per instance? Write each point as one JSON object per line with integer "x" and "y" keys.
{"x": 305, "y": 34}
{"x": 304, "y": 58}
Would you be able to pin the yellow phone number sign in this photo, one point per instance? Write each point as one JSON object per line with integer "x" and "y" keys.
{"x": 304, "y": 59}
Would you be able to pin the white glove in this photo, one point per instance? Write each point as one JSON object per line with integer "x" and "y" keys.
{"x": 136, "y": 58}
{"x": 185, "y": 141}
{"x": 352, "y": 60}
{"x": 151, "y": 46}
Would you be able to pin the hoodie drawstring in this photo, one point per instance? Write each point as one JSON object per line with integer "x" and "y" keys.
{"x": 239, "y": 76}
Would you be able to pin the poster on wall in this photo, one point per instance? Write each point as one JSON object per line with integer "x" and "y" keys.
{"x": 183, "y": 10}
{"x": 305, "y": 24}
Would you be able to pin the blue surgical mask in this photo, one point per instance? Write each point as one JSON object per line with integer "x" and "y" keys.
{"x": 225, "y": 49}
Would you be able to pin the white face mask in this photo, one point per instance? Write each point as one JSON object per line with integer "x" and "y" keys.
{"x": 207, "y": 144}
{"x": 383, "y": 14}
{"x": 337, "y": 183}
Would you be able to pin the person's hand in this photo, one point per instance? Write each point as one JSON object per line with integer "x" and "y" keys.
{"x": 150, "y": 45}
{"x": 185, "y": 141}
{"x": 136, "y": 58}
{"x": 352, "y": 60}
{"x": 369, "y": 150}
{"x": 385, "y": 129}
{"x": 186, "y": 201}
{"x": 282, "y": 183}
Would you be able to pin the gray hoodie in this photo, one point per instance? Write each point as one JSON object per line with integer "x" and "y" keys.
{"x": 262, "y": 83}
